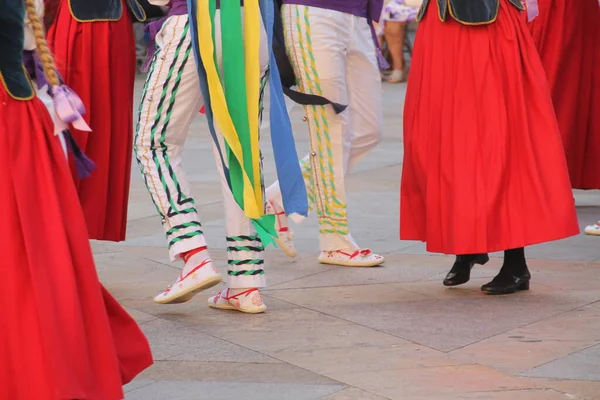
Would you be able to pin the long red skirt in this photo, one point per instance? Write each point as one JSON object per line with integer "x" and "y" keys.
{"x": 62, "y": 335}
{"x": 484, "y": 169}
{"x": 97, "y": 60}
{"x": 567, "y": 35}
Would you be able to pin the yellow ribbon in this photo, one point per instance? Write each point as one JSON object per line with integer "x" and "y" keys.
{"x": 253, "y": 203}
{"x": 252, "y": 29}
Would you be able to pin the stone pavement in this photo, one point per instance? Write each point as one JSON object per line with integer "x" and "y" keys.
{"x": 360, "y": 334}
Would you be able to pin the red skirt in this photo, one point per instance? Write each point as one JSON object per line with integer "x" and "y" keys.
{"x": 62, "y": 335}
{"x": 567, "y": 35}
{"x": 484, "y": 169}
{"x": 97, "y": 60}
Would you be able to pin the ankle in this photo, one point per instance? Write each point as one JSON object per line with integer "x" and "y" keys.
{"x": 470, "y": 257}
{"x": 241, "y": 292}
{"x": 514, "y": 269}
{"x": 515, "y": 259}
{"x": 195, "y": 259}
{"x": 186, "y": 256}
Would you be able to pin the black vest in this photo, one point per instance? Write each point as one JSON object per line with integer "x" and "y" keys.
{"x": 12, "y": 37}
{"x": 468, "y": 12}
{"x": 104, "y": 10}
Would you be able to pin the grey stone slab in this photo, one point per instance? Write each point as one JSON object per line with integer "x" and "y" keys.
{"x": 535, "y": 394}
{"x": 171, "y": 341}
{"x": 397, "y": 268}
{"x": 130, "y": 277}
{"x": 289, "y": 330}
{"x": 330, "y": 362}
{"x": 352, "y": 393}
{"x": 536, "y": 344}
{"x": 587, "y": 390}
{"x": 435, "y": 383}
{"x": 580, "y": 247}
{"x": 280, "y": 269}
{"x": 156, "y": 239}
{"x": 137, "y": 384}
{"x": 583, "y": 365}
{"x": 448, "y": 324}
{"x": 140, "y": 316}
{"x": 323, "y": 297}
{"x": 186, "y": 390}
{"x": 213, "y": 371}
{"x": 143, "y": 227}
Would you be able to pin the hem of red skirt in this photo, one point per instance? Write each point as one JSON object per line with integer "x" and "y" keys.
{"x": 586, "y": 187}
{"x": 491, "y": 249}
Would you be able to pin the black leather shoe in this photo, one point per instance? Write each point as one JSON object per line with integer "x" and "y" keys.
{"x": 461, "y": 270}
{"x": 507, "y": 282}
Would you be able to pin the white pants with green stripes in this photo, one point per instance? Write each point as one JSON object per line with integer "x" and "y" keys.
{"x": 334, "y": 55}
{"x": 170, "y": 100}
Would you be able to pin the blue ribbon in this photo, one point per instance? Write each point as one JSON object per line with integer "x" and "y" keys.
{"x": 291, "y": 182}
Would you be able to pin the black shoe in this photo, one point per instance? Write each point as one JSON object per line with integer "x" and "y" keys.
{"x": 461, "y": 270}
{"x": 507, "y": 281}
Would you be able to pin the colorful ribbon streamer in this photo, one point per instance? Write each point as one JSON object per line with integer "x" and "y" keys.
{"x": 233, "y": 102}
{"x": 291, "y": 182}
{"x": 222, "y": 114}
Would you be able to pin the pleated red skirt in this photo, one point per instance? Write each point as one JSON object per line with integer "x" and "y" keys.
{"x": 484, "y": 169}
{"x": 567, "y": 35}
{"x": 97, "y": 60}
{"x": 62, "y": 335}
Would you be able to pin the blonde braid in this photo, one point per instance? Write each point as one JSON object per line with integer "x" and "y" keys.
{"x": 41, "y": 44}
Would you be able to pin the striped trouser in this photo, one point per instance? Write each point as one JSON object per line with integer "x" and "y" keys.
{"x": 170, "y": 100}
{"x": 334, "y": 55}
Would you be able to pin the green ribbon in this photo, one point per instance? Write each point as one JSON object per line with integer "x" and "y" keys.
{"x": 234, "y": 84}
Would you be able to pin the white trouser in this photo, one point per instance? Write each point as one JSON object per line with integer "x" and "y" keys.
{"x": 170, "y": 100}
{"x": 333, "y": 55}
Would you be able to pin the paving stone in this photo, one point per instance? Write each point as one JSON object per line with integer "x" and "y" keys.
{"x": 171, "y": 341}
{"x": 434, "y": 289}
{"x": 585, "y": 390}
{"x": 448, "y": 324}
{"x": 582, "y": 365}
{"x": 352, "y": 394}
{"x": 366, "y": 358}
{"x": 292, "y": 329}
{"x": 230, "y": 391}
{"x": 398, "y": 268}
{"x": 538, "y": 394}
{"x": 136, "y": 384}
{"x": 140, "y": 316}
{"x": 536, "y": 344}
{"x": 233, "y": 372}
{"x": 451, "y": 382}
{"x": 320, "y": 298}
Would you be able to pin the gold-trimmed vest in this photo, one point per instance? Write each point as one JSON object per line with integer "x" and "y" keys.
{"x": 13, "y": 76}
{"x": 104, "y": 10}
{"x": 468, "y": 12}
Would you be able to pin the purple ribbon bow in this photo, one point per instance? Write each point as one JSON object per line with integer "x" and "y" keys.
{"x": 532, "y": 9}
{"x": 69, "y": 109}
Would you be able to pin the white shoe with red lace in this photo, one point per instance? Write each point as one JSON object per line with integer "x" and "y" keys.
{"x": 248, "y": 301}
{"x": 202, "y": 277}
{"x": 285, "y": 239}
{"x": 593, "y": 230}
{"x": 356, "y": 258}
